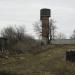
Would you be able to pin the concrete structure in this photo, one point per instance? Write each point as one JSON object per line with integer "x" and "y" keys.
{"x": 3, "y": 43}
{"x": 70, "y": 55}
{"x": 44, "y": 17}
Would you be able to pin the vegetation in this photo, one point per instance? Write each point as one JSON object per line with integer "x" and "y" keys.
{"x": 52, "y": 29}
{"x": 17, "y": 39}
{"x": 51, "y": 61}
{"x": 26, "y": 56}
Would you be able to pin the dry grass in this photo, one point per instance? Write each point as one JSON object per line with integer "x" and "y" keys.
{"x": 51, "y": 61}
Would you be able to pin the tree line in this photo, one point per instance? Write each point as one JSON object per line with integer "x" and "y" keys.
{"x": 15, "y": 34}
{"x": 18, "y": 39}
{"x": 53, "y": 34}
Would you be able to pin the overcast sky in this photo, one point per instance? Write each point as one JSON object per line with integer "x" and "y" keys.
{"x": 27, "y": 12}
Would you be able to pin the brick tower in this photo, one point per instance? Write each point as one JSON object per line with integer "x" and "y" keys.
{"x": 44, "y": 17}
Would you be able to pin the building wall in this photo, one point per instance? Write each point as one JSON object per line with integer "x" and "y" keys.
{"x": 63, "y": 41}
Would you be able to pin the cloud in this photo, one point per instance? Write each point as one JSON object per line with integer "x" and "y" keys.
{"x": 28, "y": 11}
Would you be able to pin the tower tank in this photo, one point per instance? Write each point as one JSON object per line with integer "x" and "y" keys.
{"x": 44, "y": 17}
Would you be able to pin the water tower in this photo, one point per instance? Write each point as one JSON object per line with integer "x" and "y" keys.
{"x": 44, "y": 17}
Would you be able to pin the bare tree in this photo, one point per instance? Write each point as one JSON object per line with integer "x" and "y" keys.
{"x": 13, "y": 34}
{"x": 52, "y": 29}
{"x": 73, "y": 35}
{"x": 61, "y": 36}
{"x": 9, "y": 33}
{"x": 20, "y": 32}
{"x": 38, "y": 28}
{"x": 18, "y": 40}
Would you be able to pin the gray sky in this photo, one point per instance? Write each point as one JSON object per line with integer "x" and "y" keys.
{"x": 27, "y": 12}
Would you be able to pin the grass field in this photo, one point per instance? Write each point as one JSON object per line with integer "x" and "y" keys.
{"x": 51, "y": 61}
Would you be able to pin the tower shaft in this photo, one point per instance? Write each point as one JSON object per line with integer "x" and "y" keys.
{"x": 44, "y": 17}
{"x": 45, "y": 28}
